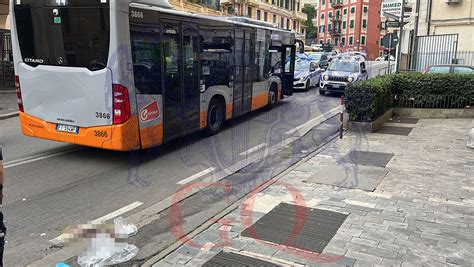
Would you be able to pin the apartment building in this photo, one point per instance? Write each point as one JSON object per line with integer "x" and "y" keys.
{"x": 283, "y": 14}
{"x": 351, "y": 25}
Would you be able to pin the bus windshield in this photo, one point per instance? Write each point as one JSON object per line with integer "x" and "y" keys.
{"x": 74, "y": 34}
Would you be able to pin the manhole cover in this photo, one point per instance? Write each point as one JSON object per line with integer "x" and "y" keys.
{"x": 297, "y": 226}
{"x": 395, "y": 130}
{"x": 233, "y": 259}
{"x": 368, "y": 158}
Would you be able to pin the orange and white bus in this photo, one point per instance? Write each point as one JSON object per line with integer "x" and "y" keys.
{"x": 127, "y": 75}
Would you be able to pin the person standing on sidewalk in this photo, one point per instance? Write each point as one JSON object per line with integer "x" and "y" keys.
{"x": 3, "y": 229}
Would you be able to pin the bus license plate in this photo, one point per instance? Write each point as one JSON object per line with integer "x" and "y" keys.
{"x": 67, "y": 128}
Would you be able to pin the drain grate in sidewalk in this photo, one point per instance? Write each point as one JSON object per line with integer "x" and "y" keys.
{"x": 395, "y": 130}
{"x": 297, "y": 226}
{"x": 233, "y": 259}
{"x": 368, "y": 158}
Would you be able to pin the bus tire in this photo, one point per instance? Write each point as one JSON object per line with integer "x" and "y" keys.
{"x": 272, "y": 97}
{"x": 215, "y": 117}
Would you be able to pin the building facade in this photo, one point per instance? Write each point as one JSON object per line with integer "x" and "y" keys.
{"x": 283, "y": 14}
{"x": 351, "y": 25}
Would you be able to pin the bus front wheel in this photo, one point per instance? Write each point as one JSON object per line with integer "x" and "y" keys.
{"x": 215, "y": 117}
{"x": 272, "y": 97}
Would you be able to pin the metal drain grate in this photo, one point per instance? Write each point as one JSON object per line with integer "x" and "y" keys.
{"x": 368, "y": 158}
{"x": 233, "y": 259}
{"x": 297, "y": 226}
{"x": 395, "y": 130}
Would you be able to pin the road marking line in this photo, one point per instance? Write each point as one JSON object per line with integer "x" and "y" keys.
{"x": 31, "y": 159}
{"x": 253, "y": 149}
{"x": 313, "y": 122}
{"x": 196, "y": 176}
{"x": 107, "y": 217}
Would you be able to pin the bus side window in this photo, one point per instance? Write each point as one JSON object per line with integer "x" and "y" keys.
{"x": 146, "y": 54}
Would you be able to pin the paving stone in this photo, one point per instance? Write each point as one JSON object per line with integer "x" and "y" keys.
{"x": 391, "y": 262}
{"x": 386, "y": 254}
{"x": 261, "y": 248}
{"x": 363, "y": 256}
{"x": 365, "y": 242}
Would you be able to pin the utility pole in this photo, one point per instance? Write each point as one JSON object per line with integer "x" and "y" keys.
{"x": 400, "y": 38}
{"x": 414, "y": 45}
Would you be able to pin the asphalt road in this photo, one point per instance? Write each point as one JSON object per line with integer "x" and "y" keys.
{"x": 50, "y": 185}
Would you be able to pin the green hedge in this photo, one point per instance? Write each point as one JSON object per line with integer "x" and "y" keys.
{"x": 367, "y": 100}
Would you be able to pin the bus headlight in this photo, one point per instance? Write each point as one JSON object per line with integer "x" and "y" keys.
{"x": 350, "y": 79}
{"x": 326, "y": 77}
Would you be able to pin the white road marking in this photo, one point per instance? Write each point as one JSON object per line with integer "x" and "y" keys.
{"x": 196, "y": 176}
{"x": 253, "y": 149}
{"x": 313, "y": 122}
{"x": 31, "y": 159}
{"x": 107, "y": 217}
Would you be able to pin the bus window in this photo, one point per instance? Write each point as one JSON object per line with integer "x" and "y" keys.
{"x": 217, "y": 55}
{"x": 146, "y": 54}
{"x": 76, "y": 35}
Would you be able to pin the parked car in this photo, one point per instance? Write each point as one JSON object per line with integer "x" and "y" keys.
{"x": 450, "y": 68}
{"x": 341, "y": 72}
{"x": 307, "y": 74}
{"x": 321, "y": 58}
{"x": 385, "y": 58}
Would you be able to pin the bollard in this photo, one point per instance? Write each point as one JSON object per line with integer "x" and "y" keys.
{"x": 341, "y": 128}
{"x": 470, "y": 139}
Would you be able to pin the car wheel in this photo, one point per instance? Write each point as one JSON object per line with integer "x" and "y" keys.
{"x": 272, "y": 97}
{"x": 322, "y": 92}
{"x": 308, "y": 86}
{"x": 215, "y": 117}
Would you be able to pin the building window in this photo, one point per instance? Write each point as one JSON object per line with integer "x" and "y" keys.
{"x": 328, "y": 41}
{"x": 343, "y": 41}
{"x": 366, "y": 9}
{"x": 330, "y": 1}
{"x": 345, "y": 11}
{"x": 323, "y": 2}
{"x": 362, "y": 40}
{"x": 273, "y": 2}
{"x": 322, "y": 16}
{"x": 344, "y": 25}
{"x": 336, "y": 41}
{"x": 330, "y": 15}
{"x": 274, "y": 19}
{"x": 321, "y": 28}
{"x": 353, "y": 9}
{"x": 294, "y": 25}
{"x": 282, "y": 23}
{"x": 352, "y": 24}
{"x": 364, "y": 23}
{"x": 351, "y": 40}
{"x": 320, "y": 41}
{"x": 249, "y": 12}
{"x": 329, "y": 27}
{"x": 265, "y": 16}
{"x": 259, "y": 14}
{"x": 287, "y": 24}
{"x": 338, "y": 13}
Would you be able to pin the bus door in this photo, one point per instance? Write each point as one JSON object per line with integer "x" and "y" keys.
{"x": 249, "y": 70}
{"x": 173, "y": 114}
{"x": 288, "y": 72}
{"x": 238, "y": 73}
{"x": 191, "y": 77}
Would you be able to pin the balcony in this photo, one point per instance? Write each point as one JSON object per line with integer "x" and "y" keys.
{"x": 335, "y": 32}
{"x": 336, "y": 18}
{"x": 337, "y": 4}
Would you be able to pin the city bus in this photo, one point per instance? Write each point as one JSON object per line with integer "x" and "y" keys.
{"x": 128, "y": 75}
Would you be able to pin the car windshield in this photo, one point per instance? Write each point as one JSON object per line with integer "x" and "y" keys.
{"x": 344, "y": 66}
{"x": 302, "y": 66}
{"x": 315, "y": 56}
{"x": 439, "y": 69}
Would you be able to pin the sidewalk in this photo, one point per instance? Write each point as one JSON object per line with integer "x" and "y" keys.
{"x": 421, "y": 211}
{"x": 8, "y": 104}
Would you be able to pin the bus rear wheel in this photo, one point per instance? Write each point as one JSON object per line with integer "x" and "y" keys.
{"x": 272, "y": 97}
{"x": 215, "y": 117}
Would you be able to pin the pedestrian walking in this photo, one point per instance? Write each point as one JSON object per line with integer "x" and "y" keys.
{"x": 3, "y": 229}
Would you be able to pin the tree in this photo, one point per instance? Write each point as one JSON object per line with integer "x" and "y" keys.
{"x": 311, "y": 29}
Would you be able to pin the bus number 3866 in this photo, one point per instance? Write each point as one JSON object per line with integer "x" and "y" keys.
{"x": 137, "y": 14}
{"x": 102, "y": 115}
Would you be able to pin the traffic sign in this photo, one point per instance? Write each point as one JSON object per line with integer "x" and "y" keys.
{"x": 392, "y": 24}
{"x": 390, "y": 40}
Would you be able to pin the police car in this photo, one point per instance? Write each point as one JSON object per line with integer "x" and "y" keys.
{"x": 307, "y": 74}
{"x": 341, "y": 72}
